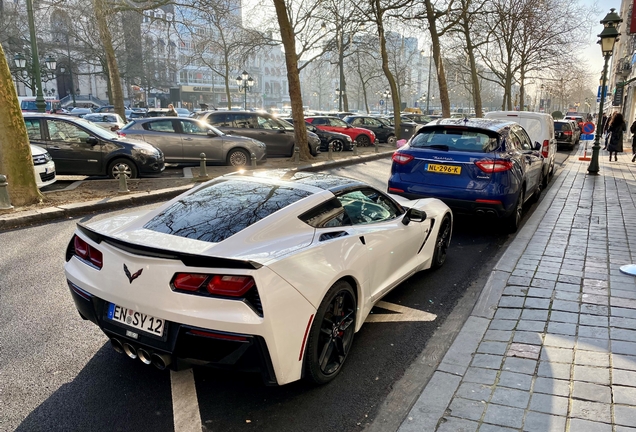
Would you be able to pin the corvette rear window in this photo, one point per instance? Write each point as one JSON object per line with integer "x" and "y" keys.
{"x": 222, "y": 209}
{"x": 454, "y": 140}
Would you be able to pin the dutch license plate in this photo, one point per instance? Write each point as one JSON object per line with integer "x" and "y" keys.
{"x": 137, "y": 320}
{"x": 444, "y": 169}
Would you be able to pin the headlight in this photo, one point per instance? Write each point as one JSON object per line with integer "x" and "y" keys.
{"x": 47, "y": 157}
{"x": 349, "y": 138}
{"x": 149, "y": 152}
{"x": 259, "y": 143}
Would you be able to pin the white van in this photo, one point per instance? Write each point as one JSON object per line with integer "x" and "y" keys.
{"x": 540, "y": 128}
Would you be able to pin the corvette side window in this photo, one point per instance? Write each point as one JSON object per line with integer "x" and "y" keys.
{"x": 368, "y": 206}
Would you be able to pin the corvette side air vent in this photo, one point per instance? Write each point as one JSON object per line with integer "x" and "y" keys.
{"x": 332, "y": 235}
{"x": 254, "y": 301}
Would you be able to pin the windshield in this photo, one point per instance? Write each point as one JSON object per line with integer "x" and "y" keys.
{"x": 96, "y": 130}
{"x": 454, "y": 140}
{"x": 338, "y": 122}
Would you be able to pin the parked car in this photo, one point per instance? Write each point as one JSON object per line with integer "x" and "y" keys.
{"x": 540, "y": 128}
{"x": 80, "y": 112}
{"x": 80, "y": 147}
{"x": 277, "y": 134}
{"x": 338, "y": 141}
{"x": 576, "y": 130}
{"x": 383, "y": 131}
{"x": 112, "y": 122}
{"x": 564, "y": 132}
{"x": 362, "y": 137}
{"x": 269, "y": 271}
{"x": 43, "y": 166}
{"x": 105, "y": 109}
{"x": 407, "y": 126}
{"x": 182, "y": 140}
{"x": 417, "y": 118}
{"x": 476, "y": 166}
{"x": 183, "y": 112}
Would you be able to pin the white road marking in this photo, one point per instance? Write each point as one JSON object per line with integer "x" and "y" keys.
{"x": 403, "y": 314}
{"x": 185, "y": 405}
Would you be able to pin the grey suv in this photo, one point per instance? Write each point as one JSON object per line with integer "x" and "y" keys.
{"x": 277, "y": 134}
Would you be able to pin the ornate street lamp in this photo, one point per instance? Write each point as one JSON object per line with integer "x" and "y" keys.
{"x": 608, "y": 36}
{"x": 245, "y": 83}
{"x": 20, "y": 61}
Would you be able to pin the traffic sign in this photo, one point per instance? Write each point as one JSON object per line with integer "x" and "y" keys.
{"x": 588, "y": 128}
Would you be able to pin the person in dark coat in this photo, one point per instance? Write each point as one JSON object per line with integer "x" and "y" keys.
{"x": 605, "y": 128}
{"x": 616, "y": 128}
{"x": 632, "y": 129}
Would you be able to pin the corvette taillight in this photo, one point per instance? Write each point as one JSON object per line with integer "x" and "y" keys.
{"x": 402, "y": 158}
{"x": 88, "y": 253}
{"x": 221, "y": 285}
{"x": 493, "y": 166}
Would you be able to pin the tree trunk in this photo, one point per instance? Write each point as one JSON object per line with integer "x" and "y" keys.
{"x": 227, "y": 82}
{"x": 16, "y": 161}
{"x": 293, "y": 78}
{"x": 473, "y": 71}
{"x": 439, "y": 61}
{"x": 522, "y": 88}
{"x": 113, "y": 69}
{"x": 386, "y": 69}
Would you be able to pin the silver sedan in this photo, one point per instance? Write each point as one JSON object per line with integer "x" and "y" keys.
{"x": 182, "y": 140}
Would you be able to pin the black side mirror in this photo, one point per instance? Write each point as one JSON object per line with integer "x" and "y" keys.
{"x": 92, "y": 140}
{"x": 537, "y": 146}
{"x": 414, "y": 215}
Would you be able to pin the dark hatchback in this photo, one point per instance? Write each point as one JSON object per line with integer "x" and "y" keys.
{"x": 383, "y": 131}
{"x": 339, "y": 141}
{"x": 477, "y": 166}
{"x": 565, "y": 134}
{"x": 80, "y": 147}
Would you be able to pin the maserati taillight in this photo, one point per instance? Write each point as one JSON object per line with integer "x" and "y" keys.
{"x": 493, "y": 166}
{"x": 402, "y": 158}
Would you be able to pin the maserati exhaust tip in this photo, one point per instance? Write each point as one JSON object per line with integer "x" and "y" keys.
{"x": 160, "y": 361}
{"x": 130, "y": 351}
{"x": 144, "y": 356}
{"x": 117, "y": 346}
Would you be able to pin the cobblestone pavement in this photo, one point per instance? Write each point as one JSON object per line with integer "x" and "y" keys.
{"x": 551, "y": 342}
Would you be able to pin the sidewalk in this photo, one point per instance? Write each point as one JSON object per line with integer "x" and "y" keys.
{"x": 160, "y": 189}
{"x": 551, "y": 343}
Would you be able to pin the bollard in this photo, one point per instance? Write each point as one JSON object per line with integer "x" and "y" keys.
{"x": 296, "y": 154}
{"x": 5, "y": 202}
{"x": 203, "y": 172}
{"x": 355, "y": 148}
{"x": 376, "y": 146}
{"x": 330, "y": 151}
{"x": 123, "y": 185}
{"x": 253, "y": 160}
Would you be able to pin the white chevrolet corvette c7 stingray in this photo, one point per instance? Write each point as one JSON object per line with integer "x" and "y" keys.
{"x": 270, "y": 271}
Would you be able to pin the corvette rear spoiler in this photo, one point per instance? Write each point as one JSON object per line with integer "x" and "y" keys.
{"x": 187, "y": 259}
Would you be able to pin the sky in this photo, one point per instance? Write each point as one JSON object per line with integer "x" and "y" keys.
{"x": 592, "y": 54}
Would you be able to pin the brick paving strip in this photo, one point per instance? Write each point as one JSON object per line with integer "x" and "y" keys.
{"x": 551, "y": 342}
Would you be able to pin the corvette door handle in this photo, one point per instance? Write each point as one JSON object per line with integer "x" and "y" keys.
{"x": 332, "y": 235}
{"x": 362, "y": 240}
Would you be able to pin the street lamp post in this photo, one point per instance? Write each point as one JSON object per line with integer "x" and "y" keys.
{"x": 608, "y": 36}
{"x": 386, "y": 95}
{"x": 245, "y": 83}
{"x": 40, "y": 104}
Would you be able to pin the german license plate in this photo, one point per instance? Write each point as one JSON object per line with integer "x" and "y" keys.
{"x": 137, "y": 320}
{"x": 444, "y": 169}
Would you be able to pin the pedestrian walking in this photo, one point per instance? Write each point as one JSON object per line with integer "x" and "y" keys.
{"x": 171, "y": 111}
{"x": 616, "y": 128}
{"x": 632, "y": 129}
{"x": 606, "y": 131}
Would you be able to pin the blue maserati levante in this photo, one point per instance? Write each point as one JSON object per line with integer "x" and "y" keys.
{"x": 476, "y": 166}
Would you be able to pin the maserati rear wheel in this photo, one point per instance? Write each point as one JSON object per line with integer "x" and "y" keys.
{"x": 331, "y": 334}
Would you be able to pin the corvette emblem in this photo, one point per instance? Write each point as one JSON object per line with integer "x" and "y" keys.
{"x": 132, "y": 277}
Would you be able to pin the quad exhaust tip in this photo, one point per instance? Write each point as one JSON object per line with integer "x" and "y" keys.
{"x": 117, "y": 346}
{"x": 130, "y": 351}
{"x": 160, "y": 361}
{"x": 144, "y": 356}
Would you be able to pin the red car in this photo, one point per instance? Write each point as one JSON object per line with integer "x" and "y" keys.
{"x": 362, "y": 137}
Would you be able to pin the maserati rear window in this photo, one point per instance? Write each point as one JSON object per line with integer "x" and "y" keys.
{"x": 222, "y": 209}
{"x": 454, "y": 139}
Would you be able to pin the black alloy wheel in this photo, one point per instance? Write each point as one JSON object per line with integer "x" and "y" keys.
{"x": 514, "y": 220}
{"x": 336, "y": 145}
{"x": 331, "y": 334}
{"x": 121, "y": 164}
{"x": 363, "y": 141}
{"x": 391, "y": 140}
{"x": 442, "y": 242}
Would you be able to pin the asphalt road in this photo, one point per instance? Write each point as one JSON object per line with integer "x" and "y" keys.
{"x": 59, "y": 373}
